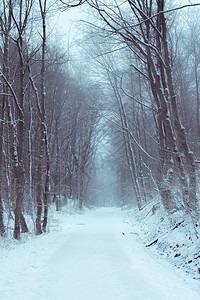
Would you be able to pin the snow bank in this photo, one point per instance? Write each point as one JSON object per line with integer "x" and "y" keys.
{"x": 170, "y": 237}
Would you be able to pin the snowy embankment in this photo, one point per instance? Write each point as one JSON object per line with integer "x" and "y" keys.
{"x": 172, "y": 237}
{"x": 86, "y": 257}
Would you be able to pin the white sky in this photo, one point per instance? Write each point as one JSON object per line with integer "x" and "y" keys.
{"x": 66, "y": 21}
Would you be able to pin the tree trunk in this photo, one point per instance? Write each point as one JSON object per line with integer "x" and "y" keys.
{"x": 180, "y": 130}
{"x": 3, "y": 115}
{"x": 18, "y": 165}
{"x": 46, "y": 187}
{"x": 198, "y": 98}
{"x": 2, "y": 227}
{"x": 18, "y": 210}
{"x": 130, "y": 155}
{"x": 23, "y": 224}
{"x": 39, "y": 186}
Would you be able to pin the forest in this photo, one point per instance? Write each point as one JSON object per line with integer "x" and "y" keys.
{"x": 137, "y": 89}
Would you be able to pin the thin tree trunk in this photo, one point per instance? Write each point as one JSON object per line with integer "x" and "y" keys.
{"x": 2, "y": 227}
{"x": 19, "y": 172}
{"x": 43, "y": 116}
{"x": 46, "y": 187}
{"x": 2, "y": 113}
{"x": 39, "y": 185}
{"x": 198, "y": 98}
{"x": 129, "y": 154}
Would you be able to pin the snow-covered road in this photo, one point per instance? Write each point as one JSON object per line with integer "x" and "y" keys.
{"x": 93, "y": 257}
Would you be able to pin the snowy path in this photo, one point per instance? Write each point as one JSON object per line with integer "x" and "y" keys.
{"x": 95, "y": 261}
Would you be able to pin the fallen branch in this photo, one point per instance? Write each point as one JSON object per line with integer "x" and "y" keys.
{"x": 172, "y": 228}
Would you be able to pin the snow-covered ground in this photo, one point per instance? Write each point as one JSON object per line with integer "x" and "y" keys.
{"x": 172, "y": 237}
{"x": 93, "y": 256}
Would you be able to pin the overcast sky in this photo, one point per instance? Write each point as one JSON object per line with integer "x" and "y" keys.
{"x": 67, "y": 28}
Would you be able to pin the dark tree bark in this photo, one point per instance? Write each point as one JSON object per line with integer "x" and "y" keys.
{"x": 44, "y": 151}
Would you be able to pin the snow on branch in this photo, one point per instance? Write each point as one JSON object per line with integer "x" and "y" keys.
{"x": 12, "y": 92}
{"x": 167, "y": 11}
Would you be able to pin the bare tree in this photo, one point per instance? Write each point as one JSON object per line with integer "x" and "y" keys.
{"x": 146, "y": 36}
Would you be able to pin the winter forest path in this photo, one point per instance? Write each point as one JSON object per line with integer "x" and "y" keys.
{"x": 96, "y": 261}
